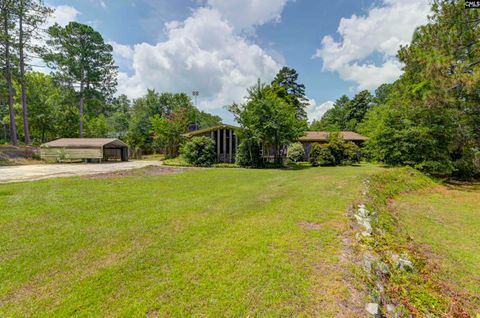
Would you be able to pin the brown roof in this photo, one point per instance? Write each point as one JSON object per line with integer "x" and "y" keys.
{"x": 84, "y": 143}
{"x": 206, "y": 130}
{"x": 323, "y": 136}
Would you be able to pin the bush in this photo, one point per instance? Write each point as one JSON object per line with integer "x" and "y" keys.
{"x": 352, "y": 153}
{"x": 199, "y": 151}
{"x": 336, "y": 152}
{"x": 468, "y": 166}
{"x": 296, "y": 152}
{"x": 321, "y": 155}
{"x": 248, "y": 154}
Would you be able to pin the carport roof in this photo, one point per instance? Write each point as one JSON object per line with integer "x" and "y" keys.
{"x": 84, "y": 143}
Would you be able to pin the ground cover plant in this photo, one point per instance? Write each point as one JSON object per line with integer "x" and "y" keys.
{"x": 444, "y": 222}
{"x": 401, "y": 271}
{"x": 208, "y": 242}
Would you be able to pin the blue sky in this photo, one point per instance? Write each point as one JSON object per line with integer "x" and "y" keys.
{"x": 220, "y": 47}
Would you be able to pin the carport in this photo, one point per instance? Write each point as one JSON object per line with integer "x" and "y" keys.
{"x": 87, "y": 149}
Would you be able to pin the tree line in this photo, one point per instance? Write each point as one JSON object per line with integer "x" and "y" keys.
{"x": 430, "y": 117}
{"x": 77, "y": 97}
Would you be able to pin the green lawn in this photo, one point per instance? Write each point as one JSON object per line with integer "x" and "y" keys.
{"x": 445, "y": 222}
{"x": 205, "y": 243}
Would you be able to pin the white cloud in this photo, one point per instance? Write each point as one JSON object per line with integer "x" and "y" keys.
{"x": 62, "y": 15}
{"x": 315, "y": 112}
{"x": 381, "y": 31}
{"x": 205, "y": 53}
{"x": 243, "y": 14}
{"x": 123, "y": 54}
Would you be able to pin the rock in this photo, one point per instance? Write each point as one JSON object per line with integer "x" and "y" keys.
{"x": 402, "y": 262}
{"x": 390, "y": 308}
{"x": 379, "y": 287}
{"x": 405, "y": 265}
{"x": 382, "y": 268}
{"x": 367, "y": 262}
{"x": 372, "y": 309}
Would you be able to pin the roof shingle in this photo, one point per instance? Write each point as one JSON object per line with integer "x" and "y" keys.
{"x": 323, "y": 136}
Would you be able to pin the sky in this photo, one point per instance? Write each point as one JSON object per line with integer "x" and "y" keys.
{"x": 221, "y": 47}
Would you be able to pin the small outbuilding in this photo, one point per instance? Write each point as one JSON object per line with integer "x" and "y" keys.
{"x": 86, "y": 149}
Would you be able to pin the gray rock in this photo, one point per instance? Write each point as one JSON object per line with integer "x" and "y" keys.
{"x": 402, "y": 262}
{"x": 390, "y": 308}
{"x": 367, "y": 262}
{"x": 383, "y": 268}
{"x": 372, "y": 309}
{"x": 405, "y": 265}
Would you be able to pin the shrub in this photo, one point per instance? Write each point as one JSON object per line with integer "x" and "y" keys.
{"x": 296, "y": 152}
{"x": 326, "y": 157}
{"x": 248, "y": 154}
{"x": 468, "y": 166}
{"x": 199, "y": 151}
{"x": 336, "y": 152}
{"x": 352, "y": 153}
{"x": 321, "y": 155}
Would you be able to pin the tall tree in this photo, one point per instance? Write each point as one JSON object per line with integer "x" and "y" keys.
{"x": 334, "y": 119}
{"x": 31, "y": 14}
{"x": 7, "y": 16}
{"x": 168, "y": 131}
{"x": 53, "y": 111}
{"x": 268, "y": 120}
{"x": 82, "y": 59}
{"x": 292, "y": 92}
{"x": 431, "y": 119}
{"x": 140, "y": 132}
{"x": 346, "y": 113}
{"x": 356, "y": 109}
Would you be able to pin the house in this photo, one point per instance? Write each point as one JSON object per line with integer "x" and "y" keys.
{"x": 311, "y": 137}
{"x": 87, "y": 149}
{"x": 227, "y": 141}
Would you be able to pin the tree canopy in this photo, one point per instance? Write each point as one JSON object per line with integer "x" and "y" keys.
{"x": 430, "y": 117}
{"x": 346, "y": 113}
{"x": 82, "y": 60}
{"x": 268, "y": 121}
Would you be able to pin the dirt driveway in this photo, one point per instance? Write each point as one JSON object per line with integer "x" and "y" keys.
{"x": 37, "y": 172}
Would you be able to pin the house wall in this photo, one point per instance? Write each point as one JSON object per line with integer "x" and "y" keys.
{"x": 56, "y": 154}
{"x": 226, "y": 143}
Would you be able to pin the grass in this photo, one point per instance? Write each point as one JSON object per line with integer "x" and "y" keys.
{"x": 445, "y": 222}
{"x": 435, "y": 227}
{"x": 180, "y": 162}
{"x": 205, "y": 243}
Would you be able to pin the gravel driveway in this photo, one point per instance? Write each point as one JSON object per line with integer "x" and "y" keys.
{"x": 37, "y": 172}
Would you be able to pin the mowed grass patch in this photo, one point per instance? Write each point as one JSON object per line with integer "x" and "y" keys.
{"x": 445, "y": 223}
{"x": 209, "y": 242}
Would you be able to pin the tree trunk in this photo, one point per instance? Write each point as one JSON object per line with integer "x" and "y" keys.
{"x": 26, "y": 130}
{"x": 8, "y": 78}
{"x": 81, "y": 109}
